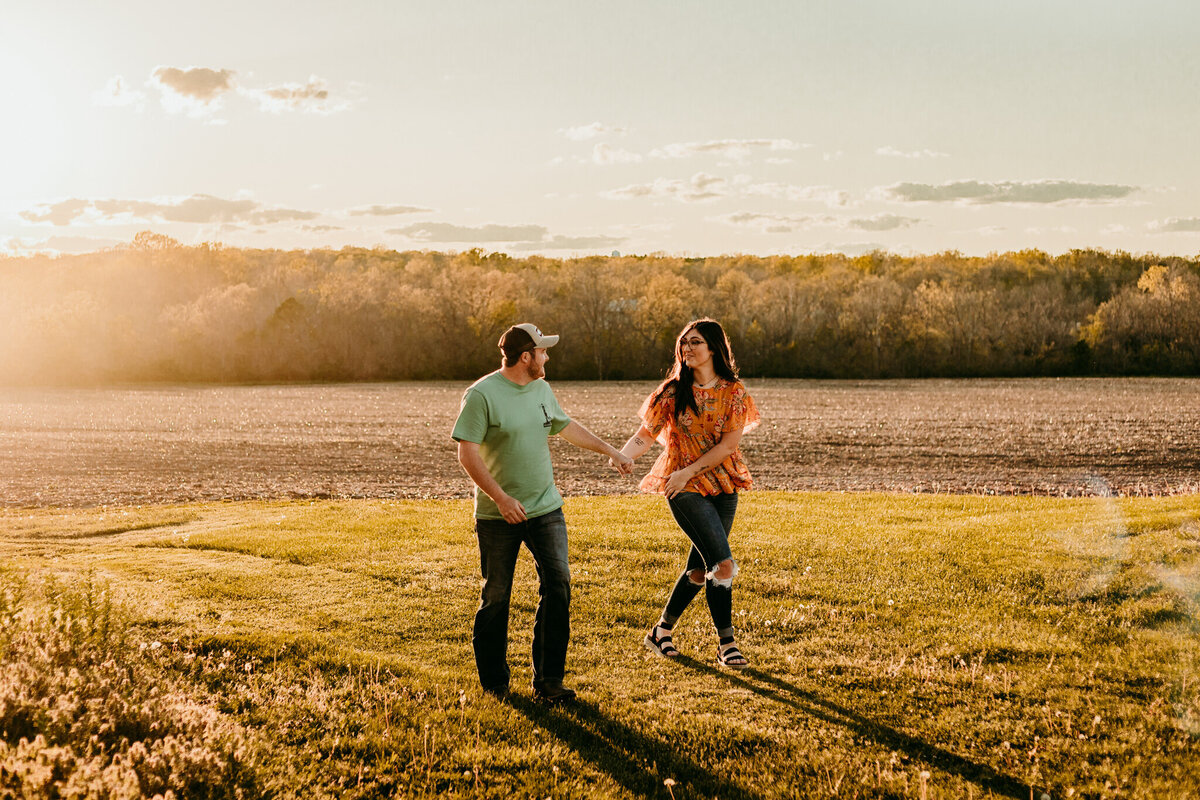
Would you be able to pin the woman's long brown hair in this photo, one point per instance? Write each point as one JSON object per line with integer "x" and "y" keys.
{"x": 679, "y": 380}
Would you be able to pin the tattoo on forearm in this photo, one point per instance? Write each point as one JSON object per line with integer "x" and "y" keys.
{"x": 638, "y": 441}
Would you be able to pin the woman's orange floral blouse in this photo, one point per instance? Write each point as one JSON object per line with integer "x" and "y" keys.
{"x": 725, "y": 407}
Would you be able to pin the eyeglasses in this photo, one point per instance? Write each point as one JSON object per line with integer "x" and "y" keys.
{"x": 691, "y": 344}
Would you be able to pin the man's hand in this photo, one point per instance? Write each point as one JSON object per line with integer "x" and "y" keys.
{"x": 621, "y": 463}
{"x": 511, "y": 509}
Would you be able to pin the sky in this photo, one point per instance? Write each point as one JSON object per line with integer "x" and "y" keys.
{"x": 568, "y": 128}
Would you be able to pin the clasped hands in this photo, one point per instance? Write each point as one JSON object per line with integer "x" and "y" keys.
{"x": 621, "y": 463}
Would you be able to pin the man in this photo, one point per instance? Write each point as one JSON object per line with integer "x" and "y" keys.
{"x": 503, "y": 431}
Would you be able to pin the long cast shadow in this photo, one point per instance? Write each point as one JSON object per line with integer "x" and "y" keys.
{"x": 633, "y": 759}
{"x": 803, "y": 700}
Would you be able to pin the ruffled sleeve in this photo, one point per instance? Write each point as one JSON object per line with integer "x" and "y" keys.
{"x": 656, "y": 414}
{"x": 743, "y": 413}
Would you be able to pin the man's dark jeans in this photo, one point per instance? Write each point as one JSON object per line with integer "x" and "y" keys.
{"x": 499, "y": 545}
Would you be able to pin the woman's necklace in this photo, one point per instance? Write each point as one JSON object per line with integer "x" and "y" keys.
{"x": 710, "y": 384}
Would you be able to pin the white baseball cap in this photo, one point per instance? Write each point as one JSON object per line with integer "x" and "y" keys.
{"x": 519, "y": 337}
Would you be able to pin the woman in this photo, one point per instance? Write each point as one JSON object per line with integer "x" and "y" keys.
{"x": 698, "y": 415}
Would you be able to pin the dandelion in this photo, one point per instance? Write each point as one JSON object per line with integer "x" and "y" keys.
{"x": 669, "y": 782}
{"x": 891, "y": 602}
{"x": 155, "y": 645}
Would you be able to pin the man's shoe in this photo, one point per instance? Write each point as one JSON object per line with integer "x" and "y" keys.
{"x": 553, "y": 693}
{"x": 498, "y": 692}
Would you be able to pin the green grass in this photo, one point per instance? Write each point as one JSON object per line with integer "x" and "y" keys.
{"x": 901, "y": 646}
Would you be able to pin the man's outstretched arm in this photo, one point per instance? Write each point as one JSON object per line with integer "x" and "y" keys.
{"x": 580, "y": 436}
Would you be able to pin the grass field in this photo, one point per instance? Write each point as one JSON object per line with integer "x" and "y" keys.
{"x": 901, "y": 646}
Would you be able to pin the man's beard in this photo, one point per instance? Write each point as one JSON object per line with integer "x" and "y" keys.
{"x": 534, "y": 371}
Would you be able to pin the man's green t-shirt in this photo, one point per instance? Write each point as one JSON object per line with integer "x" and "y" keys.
{"x": 512, "y": 425}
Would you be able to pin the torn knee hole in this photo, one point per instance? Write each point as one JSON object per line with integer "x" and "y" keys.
{"x": 696, "y": 577}
{"x": 724, "y": 574}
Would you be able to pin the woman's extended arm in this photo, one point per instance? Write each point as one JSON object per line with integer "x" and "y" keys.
{"x": 639, "y": 443}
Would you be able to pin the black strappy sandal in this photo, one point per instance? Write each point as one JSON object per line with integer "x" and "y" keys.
{"x": 728, "y": 655}
{"x": 661, "y": 644}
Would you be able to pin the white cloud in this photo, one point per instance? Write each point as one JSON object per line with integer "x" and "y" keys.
{"x": 63, "y": 212}
{"x": 737, "y": 149}
{"x": 596, "y": 129}
{"x": 790, "y": 223}
{"x": 1175, "y": 225}
{"x": 200, "y": 92}
{"x": 882, "y": 222}
{"x": 386, "y": 211}
{"x": 1042, "y": 192}
{"x": 195, "y": 90}
{"x": 888, "y": 150}
{"x": 116, "y": 94}
{"x": 835, "y": 156}
{"x": 515, "y": 238}
{"x": 767, "y": 223}
{"x": 604, "y": 154}
{"x": 201, "y": 209}
{"x": 444, "y": 232}
{"x": 570, "y": 243}
{"x": 198, "y": 208}
{"x": 701, "y": 187}
{"x": 834, "y": 198}
{"x": 311, "y": 98}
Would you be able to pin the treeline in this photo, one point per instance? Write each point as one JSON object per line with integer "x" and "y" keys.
{"x": 158, "y": 311}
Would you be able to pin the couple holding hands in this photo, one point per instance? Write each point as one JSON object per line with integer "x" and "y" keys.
{"x": 698, "y": 414}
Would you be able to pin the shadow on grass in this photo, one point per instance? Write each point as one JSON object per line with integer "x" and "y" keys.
{"x": 637, "y": 762}
{"x": 773, "y": 688}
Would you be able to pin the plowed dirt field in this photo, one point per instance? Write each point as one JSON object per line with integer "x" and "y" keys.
{"x": 80, "y": 447}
